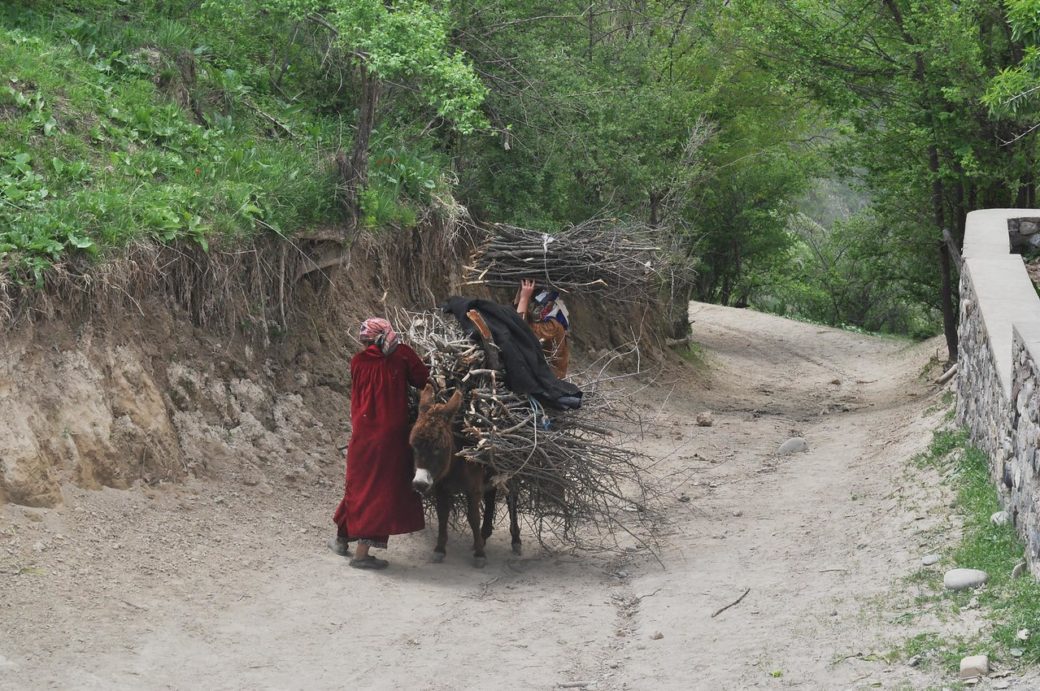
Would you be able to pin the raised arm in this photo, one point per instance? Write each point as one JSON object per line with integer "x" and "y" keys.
{"x": 523, "y": 297}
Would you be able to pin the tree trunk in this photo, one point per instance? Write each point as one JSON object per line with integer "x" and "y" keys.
{"x": 946, "y": 292}
{"x": 945, "y": 268}
{"x": 354, "y": 172}
{"x": 949, "y": 316}
{"x": 655, "y": 209}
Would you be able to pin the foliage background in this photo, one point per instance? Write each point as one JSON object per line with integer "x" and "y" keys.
{"x": 804, "y": 157}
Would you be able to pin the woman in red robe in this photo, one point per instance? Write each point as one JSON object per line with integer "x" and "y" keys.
{"x": 379, "y": 500}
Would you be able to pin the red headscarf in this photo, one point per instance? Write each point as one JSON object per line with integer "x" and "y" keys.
{"x": 379, "y": 331}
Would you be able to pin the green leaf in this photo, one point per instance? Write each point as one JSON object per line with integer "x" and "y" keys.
{"x": 80, "y": 242}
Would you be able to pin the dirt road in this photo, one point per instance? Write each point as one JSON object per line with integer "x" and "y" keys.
{"x": 218, "y": 585}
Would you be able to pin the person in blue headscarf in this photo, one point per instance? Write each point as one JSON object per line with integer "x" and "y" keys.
{"x": 548, "y": 318}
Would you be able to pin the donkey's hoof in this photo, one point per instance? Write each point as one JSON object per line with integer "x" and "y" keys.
{"x": 438, "y": 557}
{"x": 479, "y": 562}
{"x": 517, "y": 548}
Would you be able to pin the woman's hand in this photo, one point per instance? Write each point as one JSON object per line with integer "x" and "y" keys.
{"x": 526, "y": 289}
{"x": 524, "y": 294}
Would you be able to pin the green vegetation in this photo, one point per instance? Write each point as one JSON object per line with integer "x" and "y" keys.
{"x": 92, "y": 155}
{"x": 158, "y": 123}
{"x": 803, "y": 156}
{"x": 1011, "y": 604}
{"x": 904, "y": 83}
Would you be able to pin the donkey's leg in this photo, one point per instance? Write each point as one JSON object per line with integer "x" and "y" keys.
{"x": 514, "y": 523}
{"x": 489, "y": 512}
{"x": 473, "y": 481}
{"x": 473, "y": 513}
{"x": 443, "y": 499}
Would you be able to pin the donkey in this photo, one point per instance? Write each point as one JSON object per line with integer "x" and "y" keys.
{"x": 438, "y": 466}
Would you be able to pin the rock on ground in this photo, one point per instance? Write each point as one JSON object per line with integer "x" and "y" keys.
{"x": 974, "y": 666}
{"x": 962, "y": 579}
{"x": 793, "y": 445}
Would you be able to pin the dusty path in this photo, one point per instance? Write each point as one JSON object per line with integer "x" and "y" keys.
{"x": 222, "y": 586}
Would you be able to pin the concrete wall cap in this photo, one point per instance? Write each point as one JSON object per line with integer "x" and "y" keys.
{"x": 1028, "y": 334}
{"x": 986, "y": 231}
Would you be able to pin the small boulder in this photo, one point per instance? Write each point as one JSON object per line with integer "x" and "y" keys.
{"x": 705, "y": 419}
{"x": 793, "y": 445}
{"x": 1000, "y": 518}
{"x": 930, "y": 559}
{"x": 974, "y": 666}
{"x": 962, "y": 579}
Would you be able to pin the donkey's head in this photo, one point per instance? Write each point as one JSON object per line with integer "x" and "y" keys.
{"x": 433, "y": 439}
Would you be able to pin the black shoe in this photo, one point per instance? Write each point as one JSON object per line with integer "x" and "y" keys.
{"x": 369, "y": 562}
{"x": 339, "y": 546}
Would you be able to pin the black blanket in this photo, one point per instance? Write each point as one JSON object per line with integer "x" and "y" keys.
{"x": 527, "y": 372}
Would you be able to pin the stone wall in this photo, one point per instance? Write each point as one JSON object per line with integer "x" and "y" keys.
{"x": 999, "y": 361}
{"x": 1023, "y": 473}
{"x": 981, "y": 403}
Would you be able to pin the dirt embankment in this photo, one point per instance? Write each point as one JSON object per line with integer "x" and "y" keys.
{"x": 171, "y": 363}
{"x": 211, "y": 367}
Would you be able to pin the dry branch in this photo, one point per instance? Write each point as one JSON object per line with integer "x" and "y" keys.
{"x": 605, "y": 256}
{"x": 569, "y": 467}
{"x": 736, "y": 602}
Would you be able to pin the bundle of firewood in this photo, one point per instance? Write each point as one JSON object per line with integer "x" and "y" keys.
{"x": 570, "y": 468}
{"x": 599, "y": 255}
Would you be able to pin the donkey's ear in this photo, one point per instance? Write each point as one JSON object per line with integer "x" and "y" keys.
{"x": 453, "y": 404}
{"x": 426, "y": 398}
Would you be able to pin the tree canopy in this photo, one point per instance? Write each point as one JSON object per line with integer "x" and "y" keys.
{"x": 804, "y": 157}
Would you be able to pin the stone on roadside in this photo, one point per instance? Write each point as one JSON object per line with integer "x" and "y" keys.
{"x": 705, "y": 419}
{"x": 793, "y": 445}
{"x": 974, "y": 666}
{"x": 657, "y": 636}
{"x": 930, "y": 559}
{"x": 1022, "y": 635}
{"x": 1000, "y": 518}
{"x": 962, "y": 579}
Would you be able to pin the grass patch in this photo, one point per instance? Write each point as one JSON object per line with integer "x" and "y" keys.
{"x": 93, "y": 155}
{"x": 694, "y": 354}
{"x": 1008, "y": 604}
{"x": 121, "y": 123}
